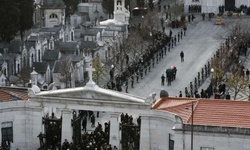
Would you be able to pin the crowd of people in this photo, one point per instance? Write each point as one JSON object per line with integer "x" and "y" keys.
{"x": 98, "y": 139}
{"x": 130, "y": 132}
{"x": 137, "y": 69}
{"x": 194, "y": 8}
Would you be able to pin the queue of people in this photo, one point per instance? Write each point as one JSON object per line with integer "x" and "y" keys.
{"x": 137, "y": 69}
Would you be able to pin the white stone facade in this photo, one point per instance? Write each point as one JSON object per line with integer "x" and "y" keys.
{"x": 54, "y": 17}
{"x": 26, "y": 123}
{"x": 215, "y": 140}
{"x": 212, "y": 5}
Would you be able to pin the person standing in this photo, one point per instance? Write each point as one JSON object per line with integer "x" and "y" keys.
{"x": 141, "y": 72}
{"x": 92, "y": 119}
{"x": 175, "y": 40}
{"x": 172, "y": 42}
{"x": 84, "y": 123}
{"x": 127, "y": 59}
{"x": 145, "y": 68}
{"x": 178, "y": 36}
{"x": 193, "y": 17}
{"x": 149, "y": 66}
{"x": 40, "y": 136}
{"x": 181, "y": 33}
{"x": 65, "y": 145}
{"x": 126, "y": 86}
{"x": 185, "y": 29}
{"x": 170, "y": 33}
{"x": 132, "y": 81}
{"x": 169, "y": 81}
{"x": 137, "y": 76}
{"x": 180, "y": 95}
{"x": 203, "y": 16}
{"x": 182, "y": 56}
{"x": 162, "y": 79}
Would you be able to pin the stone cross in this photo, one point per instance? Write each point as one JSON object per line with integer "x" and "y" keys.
{"x": 90, "y": 71}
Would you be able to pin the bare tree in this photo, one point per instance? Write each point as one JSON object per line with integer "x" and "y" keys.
{"x": 237, "y": 82}
{"x": 24, "y": 75}
{"x": 65, "y": 72}
{"x": 98, "y": 69}
{"x": 226, "y": 59}
{"x": 239, "y": 32}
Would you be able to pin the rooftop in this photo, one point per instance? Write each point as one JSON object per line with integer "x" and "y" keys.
{"x": 67, "y": 46}
{"x": 53, "y": 4}
{"x": 208, "y": 112}
{"x": 13, "y": 93}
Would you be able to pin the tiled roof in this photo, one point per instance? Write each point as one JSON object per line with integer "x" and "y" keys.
{"x": 67, "y": 46}
{"x": 57, "y": 67}
{"x": 53, "y": 3}
{"x": 12, "y": 93}
{"x": 208, "y": 112}
{"x": 50, "y": 55}
{"x": 40, "y": 67}
{"x": 71, "y": 57}
{"x": 92, "y": 31}
{"x": 3, "y": 45}
{"x": 15, "y": 46}
{"x": 53, "y": 29}
{"x": 88, "y": 44}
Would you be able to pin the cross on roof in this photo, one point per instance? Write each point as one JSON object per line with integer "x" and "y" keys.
{"x": 90, "y": 71}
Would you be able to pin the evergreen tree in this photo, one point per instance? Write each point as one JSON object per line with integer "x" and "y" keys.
{"x": 140, "y": 3}
{"x": 26, "y": 15}
{"x": 108, "y": 6}
{"x": 9, "y": 18}
{"x": 71, "y": 6}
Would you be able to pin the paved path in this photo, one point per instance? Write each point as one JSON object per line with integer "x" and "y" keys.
{"x": 199, "y": 45}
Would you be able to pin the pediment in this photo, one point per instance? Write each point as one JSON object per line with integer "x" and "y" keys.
{"x": 96, "y": 95}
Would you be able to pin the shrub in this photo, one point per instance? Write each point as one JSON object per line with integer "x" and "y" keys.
{"x": 230, "y": 14}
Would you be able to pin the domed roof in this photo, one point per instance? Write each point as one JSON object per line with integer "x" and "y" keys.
{"x": 163, "y": 93}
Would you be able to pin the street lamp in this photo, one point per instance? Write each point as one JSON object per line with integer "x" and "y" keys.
{"x": 212, "y": 71}
{"x": 111, "y": 72}
{"x": 212, "y": 80}
{"x": 192, "y": 123}
{"x": 142, "y": 17}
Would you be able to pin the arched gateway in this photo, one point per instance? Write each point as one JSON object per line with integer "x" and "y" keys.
{"x": 91, "y": 97}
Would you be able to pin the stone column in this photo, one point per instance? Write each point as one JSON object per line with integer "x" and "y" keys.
{"x": 145, "y": 141}
{"x": 114, "y": 137}
{"x": 66, "y": 126}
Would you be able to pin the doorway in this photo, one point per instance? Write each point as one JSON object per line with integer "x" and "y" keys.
{"x": 229, "y": 5}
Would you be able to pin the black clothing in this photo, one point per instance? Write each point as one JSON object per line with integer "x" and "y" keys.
{"x": 182, "y": 56}
{"x": 162, "y": 79}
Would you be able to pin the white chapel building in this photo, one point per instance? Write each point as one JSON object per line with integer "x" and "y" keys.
{"x": 52, "y": 13}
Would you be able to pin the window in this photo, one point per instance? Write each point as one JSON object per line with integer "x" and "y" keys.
{"x": 7, "y": 131}
{"x": 207, "y": 148}
{"x": 53, "y": 16}
{"x": 171, "y": 142}
{"x": 39, "y": 55}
